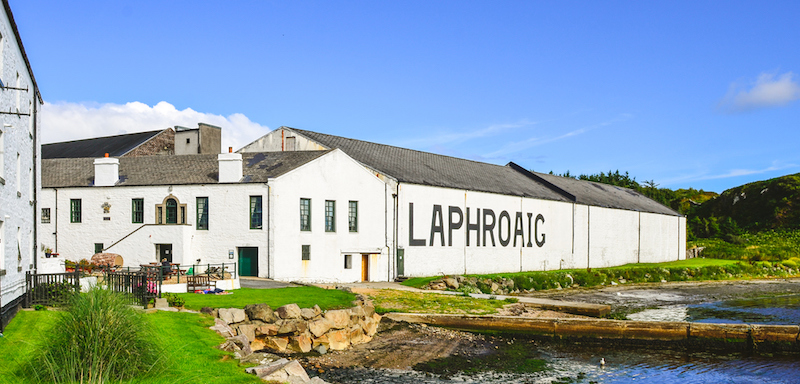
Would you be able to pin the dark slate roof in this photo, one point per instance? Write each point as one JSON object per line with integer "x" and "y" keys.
{"x": 115, "y": 146}
{"x": 416, "y": 167}
{"x": 173, "y": 170}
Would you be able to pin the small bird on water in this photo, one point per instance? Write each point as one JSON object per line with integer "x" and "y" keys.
{"x": 602, "y": 361}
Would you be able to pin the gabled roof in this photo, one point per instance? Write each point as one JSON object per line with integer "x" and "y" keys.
{"x": 115, "y": 146}
{"x": 416, "y": 167}
{"x": 173, "y": 170}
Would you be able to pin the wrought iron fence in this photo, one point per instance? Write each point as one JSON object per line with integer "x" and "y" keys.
{"x": 140, "y": 286}
{"x": 50, "y": 288}
{"x": 218, "y": 271}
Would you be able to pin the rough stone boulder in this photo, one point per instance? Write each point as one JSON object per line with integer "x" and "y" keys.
{"x": 289, "y": 311}
{"x": 232, "y": 315}
{"x": 259, "y": 312}
{"x": 451, "y": 282}
{"x": 320, "y": 326}
{"x": 339, "y": 318}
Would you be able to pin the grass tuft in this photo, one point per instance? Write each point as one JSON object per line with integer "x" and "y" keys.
{"x": 97, "y": 338}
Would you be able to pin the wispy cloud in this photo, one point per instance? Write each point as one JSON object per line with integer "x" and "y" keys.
{"x": 65, "y": 121}
{"x": 449, "y": 138}
{"x": 737, "y": 172}
{"x": 769, "y": 90}
{"x": 517, "y": 146}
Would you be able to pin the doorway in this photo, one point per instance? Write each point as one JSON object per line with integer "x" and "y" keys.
{"x": 248, "y": 261}
{"x": 364, "y": 267}
{"x": 164, "y": 251}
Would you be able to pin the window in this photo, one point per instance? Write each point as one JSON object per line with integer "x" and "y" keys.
{"x": 98, "y": 247}
{"x": 255, "y": 212}
{"x": 137, "y": 211}
{"x": 170, "y": 211}
{"x": 330, "y": 216}
{"x": 352, "y": 216}
{"x": 202, "y": 213}
{"x": 348, "y": 261}
{"x": 75, "y": 210}
{"x": 45, "y": 215}
{"x": 305, "y": 214}
{"x": 306, "y": 252}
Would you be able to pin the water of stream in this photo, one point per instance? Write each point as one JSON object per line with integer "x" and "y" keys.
{"x": 569, "y": 363}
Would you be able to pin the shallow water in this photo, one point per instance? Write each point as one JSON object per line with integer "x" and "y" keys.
{"x": 570, "y": 363}
{"x": 573, "y": 364}
{"x": 783, "y": 309}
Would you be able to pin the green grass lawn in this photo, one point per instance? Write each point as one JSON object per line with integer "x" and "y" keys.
{"x": 390, "y": 300}
{"x": 188, "y": 344}
{"x": 305, "y": 297}
{"x": 683, "y": 270}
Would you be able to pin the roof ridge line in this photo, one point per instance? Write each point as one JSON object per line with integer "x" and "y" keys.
{"x": 541, "y": 180}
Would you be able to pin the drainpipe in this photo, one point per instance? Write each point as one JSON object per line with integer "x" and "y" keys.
{"x": 35, "y": 197}
{"x": 55, "y": 214}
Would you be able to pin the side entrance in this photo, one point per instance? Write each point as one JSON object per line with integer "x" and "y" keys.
{"x": 248, "y": 261}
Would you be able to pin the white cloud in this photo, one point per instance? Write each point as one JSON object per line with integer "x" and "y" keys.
{"x": 518, "y": 146}
{"x": 460, "y": 137}
{"x": 65, "y": 121}
{"x": 768, "y": 90}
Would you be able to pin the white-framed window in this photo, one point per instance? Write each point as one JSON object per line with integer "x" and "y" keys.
{"x": 330, "y": 216}
{"x": 348, "y": 261}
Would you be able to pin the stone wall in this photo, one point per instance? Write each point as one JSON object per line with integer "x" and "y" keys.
{"x": 291, "y": 329}
{"x": 161, "y": 144}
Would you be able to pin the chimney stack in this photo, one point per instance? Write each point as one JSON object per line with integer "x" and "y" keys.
{"x": 106, "y": 171}
{"x": 230, "y": 166}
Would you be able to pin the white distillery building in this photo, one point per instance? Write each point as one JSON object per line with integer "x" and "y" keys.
{"x": 310, "y": 216}
{"x": 447, "y": 215}
{"x": 20, "y": 103}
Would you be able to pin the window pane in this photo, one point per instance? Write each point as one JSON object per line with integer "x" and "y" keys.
{"x": 137, "y": 211}
{"x": 172, "y": 211}
{"x": 98, "y": 247}
{"x": 75, "y": 210}
{"x": 306, "y": 253}
{"x": 330, "y": 216}
{"x": 45, "y": 215}
{"x": 255, "y": 212}
{"x": 352, "y": 216}
{"x": 305, "y": 214}
{"x": 202, "y": 213}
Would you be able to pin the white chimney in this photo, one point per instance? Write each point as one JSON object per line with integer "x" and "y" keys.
{"x": 230, "y": 166}
{"x": 106, "y": 171}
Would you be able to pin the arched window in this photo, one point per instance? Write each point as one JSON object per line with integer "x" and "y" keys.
{"x": 172, "y": 211}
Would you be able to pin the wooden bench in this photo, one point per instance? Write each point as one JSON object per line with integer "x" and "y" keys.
{"x": 199, "y": 283}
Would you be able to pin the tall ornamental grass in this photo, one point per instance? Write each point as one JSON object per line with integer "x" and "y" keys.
{"x": 99, "y": 338}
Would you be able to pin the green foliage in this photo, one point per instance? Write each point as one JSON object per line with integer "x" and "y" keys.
{"x": 174, "y": 300}
{"x": 305, "y": 297}
{"x": 390, "y": 300}
{"x": 39, "y": 307}
{"x": 774, "y": 245}
{"x": 98, "y": 338}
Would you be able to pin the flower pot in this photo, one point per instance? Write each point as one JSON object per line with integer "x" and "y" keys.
{"x": 47, "y": 254}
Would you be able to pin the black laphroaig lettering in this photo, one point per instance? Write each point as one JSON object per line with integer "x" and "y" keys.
{"x": 474, "y": 227}
{"x": 518, "y": 229}
{"x": 453, "y": 224}
{"x": 539, "y": 243}
{"x": 411, "y": 240}
{"x": 530, "y": 226}
{"x": 488, "y": 227}
{"x": 504, "y": 242}
{"x": 437, "y": 224}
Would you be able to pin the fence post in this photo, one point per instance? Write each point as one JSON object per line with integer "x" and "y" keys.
{"x": 27, "y": 291}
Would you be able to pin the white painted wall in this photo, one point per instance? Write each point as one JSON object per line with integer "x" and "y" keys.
{"x": 336, "y": 177}
{"x": 19, "y": 168}
{"x": 229, "y": 226}
{"x": 281, "y": 140}
{"x": 571, "y": 235}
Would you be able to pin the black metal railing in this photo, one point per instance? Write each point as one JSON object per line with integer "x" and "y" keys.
{"x": 218, "y": 271}
{"x": 50, "y": 288}
{"x": 140, "y": 286}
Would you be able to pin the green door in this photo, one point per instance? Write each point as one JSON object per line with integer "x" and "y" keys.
{"x": 248, "y": 261}
{"x": 400, "y": 263}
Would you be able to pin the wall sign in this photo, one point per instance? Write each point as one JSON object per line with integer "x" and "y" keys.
{"x": 483, "y": 225}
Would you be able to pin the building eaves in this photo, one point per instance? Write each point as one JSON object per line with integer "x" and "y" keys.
{"x": 173, "y": 170}
{"x": 22, "y": 49}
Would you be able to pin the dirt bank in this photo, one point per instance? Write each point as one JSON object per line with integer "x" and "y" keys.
{"x": 635, "y": 297}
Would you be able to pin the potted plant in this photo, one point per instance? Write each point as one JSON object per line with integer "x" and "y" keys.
{"x": 47, "y": 251}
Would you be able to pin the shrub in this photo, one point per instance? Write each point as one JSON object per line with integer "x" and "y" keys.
{"x": 174, "y": 300}
{"x": 98, "y": 338}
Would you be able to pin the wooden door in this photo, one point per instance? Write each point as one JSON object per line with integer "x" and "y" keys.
{"x": 365, "y": 267}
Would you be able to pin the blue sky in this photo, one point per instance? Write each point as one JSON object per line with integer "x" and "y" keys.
{"x": 688, "y": 94}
